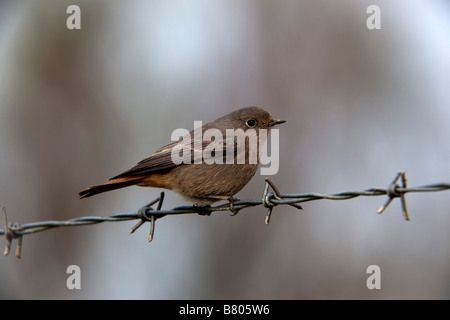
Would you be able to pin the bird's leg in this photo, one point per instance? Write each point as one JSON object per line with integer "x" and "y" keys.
{"x": 231, "y": 200}
{"x": 203, "y": 210}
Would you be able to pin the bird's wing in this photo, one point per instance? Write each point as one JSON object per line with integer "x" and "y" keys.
{"x": 162, "y": 158}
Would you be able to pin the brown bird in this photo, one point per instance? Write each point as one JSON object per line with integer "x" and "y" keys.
{"x": 208, "y": 181}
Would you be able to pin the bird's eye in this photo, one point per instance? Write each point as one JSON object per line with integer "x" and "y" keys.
{"x": 251, "y": 123}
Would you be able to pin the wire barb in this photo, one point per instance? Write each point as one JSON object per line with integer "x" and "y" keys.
{"x": 270, "y": 199}
{"x": 11, "y": 232}
{"x": 267, "y": 199}
{"x": 394, "y": 192}
{"x": 143, "y": 215}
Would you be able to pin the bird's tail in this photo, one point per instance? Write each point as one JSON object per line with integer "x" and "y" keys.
{"x": 112, "y": 185}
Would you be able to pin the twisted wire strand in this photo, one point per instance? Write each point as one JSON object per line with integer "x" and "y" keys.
{"x": 269, "y": 201}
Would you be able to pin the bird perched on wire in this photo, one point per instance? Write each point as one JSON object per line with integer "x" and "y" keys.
{"x": 209, "y": 176}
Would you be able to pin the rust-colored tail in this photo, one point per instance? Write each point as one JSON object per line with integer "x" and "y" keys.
{"x": 112, "y": 185}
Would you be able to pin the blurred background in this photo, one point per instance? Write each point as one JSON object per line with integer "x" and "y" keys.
{"x": 80, "y": 106}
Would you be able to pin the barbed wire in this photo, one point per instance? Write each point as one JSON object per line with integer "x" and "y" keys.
{"x": 270, "y": 199}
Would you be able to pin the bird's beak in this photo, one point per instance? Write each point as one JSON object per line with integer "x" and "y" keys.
{"x": 274, "y": 122}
